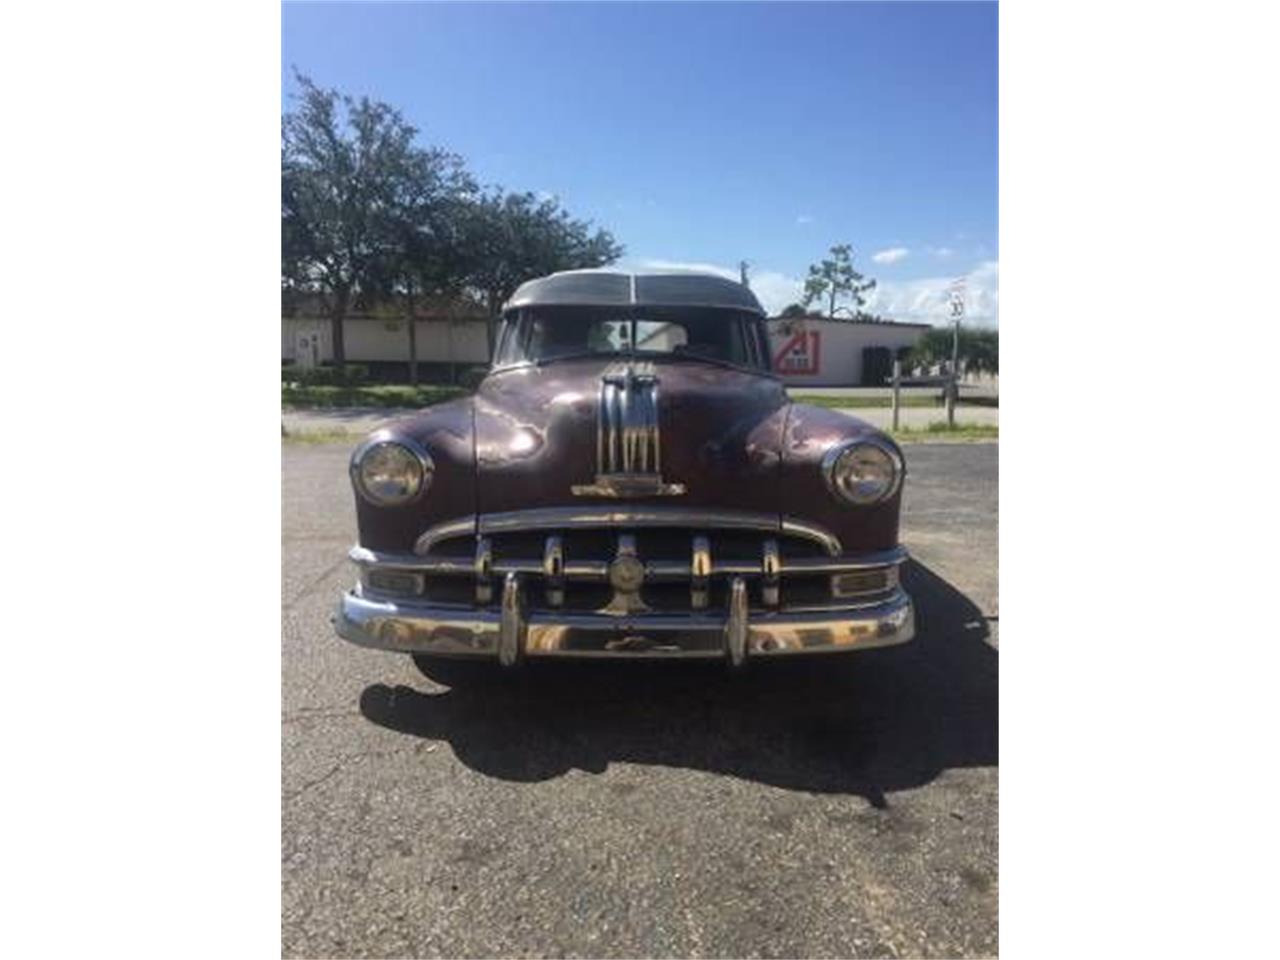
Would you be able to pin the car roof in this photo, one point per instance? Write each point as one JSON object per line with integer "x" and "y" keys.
{"x": 614, "y": 288}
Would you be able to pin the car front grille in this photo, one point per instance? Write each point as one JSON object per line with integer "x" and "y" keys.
{"x": 596, "y": 562}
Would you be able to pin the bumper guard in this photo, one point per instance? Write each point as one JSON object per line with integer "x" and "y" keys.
{"x": 510, "y": 633}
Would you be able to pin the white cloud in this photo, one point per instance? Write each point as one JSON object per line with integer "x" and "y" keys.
{"x": 942, "y": 252}
{"x": 803, "y": 219}
{"x": 892, "y": 255}
{"x": 774, "y": 290}
{"x": 910, "y": 301}
{"x": 925, "y": 300}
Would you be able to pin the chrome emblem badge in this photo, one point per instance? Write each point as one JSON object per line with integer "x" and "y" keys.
{"x": 626, "y": 574}
{"x": 628, "y": 450}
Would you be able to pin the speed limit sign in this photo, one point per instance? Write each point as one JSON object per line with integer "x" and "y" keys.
{"x": 956, "y": 300}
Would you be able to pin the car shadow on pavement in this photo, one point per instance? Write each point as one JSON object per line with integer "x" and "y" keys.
{"x": 867, "y": 723}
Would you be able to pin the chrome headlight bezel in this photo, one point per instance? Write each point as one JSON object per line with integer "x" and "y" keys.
{"x": 418, "y": 457}
{"x": 831, "y": 463}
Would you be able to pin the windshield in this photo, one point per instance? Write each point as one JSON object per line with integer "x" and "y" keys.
{"x": 542, "y": 334}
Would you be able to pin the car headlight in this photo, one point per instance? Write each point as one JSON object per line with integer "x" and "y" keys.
{"x": 391, "y": 472}
{"x": 863, "y": 472}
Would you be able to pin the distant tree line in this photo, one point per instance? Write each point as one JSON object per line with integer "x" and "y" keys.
{"x": 979, "y": 349}
{"x": 834, "y": 279}
{"x": 368, "y": 215}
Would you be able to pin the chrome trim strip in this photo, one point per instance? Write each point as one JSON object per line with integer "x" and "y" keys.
{"x": 621, "y": 485}
{"x": 458, "y": 527}
{"x": 613, "y": 416}
{"x": 802, "y": 528}
{"x": 502, "y": 567}
{"x": 591, "y": 516}
{"x": 586, "y": 570}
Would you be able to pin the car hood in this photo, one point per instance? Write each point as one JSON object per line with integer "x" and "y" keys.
{"x": 720, "y": 434}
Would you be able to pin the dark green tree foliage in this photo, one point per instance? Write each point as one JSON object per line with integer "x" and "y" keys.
{"x": 368, "y": 215}
{"x": 425, "y": 256}
{"x": 834, "y": 279}
{"x": 346, "y": 166}
{"x": 979, "y": 348}
{"x": 513, "y": 237}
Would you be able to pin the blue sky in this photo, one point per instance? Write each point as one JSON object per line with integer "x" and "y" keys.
{"x": 704, "y": 134}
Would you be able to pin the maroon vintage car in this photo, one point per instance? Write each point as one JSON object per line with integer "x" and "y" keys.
{"x": 629, "y": 480}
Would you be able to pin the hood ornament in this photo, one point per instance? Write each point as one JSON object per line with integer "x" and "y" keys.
{"x": 627, "y": 443}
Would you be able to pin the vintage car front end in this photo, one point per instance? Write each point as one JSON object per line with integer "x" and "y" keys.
{"x": 638, "y": 504}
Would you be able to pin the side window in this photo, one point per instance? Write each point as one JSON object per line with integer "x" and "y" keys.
{"x": 502, "y": 347}
{"x": 765, "y": 353}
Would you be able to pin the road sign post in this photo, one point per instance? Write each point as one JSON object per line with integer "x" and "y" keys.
{"x": 956, "y": 303}
{"x": 897, "y": 386}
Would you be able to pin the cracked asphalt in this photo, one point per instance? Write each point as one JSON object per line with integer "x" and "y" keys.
{"x": 845, "y": 807}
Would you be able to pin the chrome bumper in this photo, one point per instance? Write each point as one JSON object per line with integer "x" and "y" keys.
{"x": 509, "y": 633}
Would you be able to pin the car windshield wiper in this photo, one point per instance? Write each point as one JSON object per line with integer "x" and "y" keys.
{"x": 697, "y": 357}
{"x": 577, "y": 355}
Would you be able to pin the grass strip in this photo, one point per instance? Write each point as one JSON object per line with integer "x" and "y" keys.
{"x": 940, "y": 431}
{"x": 915, "y": 400}
{"x": 375, "y": 395}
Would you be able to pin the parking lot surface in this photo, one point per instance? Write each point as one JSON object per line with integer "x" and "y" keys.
{"x": 842, "y": 807}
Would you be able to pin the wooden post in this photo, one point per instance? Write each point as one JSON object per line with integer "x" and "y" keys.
{"x": 448, "y": 330}
{"x": 413, "y": 348}
{"x": 897, "y": 386}
{"x": 953, "y": 388}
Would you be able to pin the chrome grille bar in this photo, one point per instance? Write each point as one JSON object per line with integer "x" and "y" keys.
{"x": 594, "y": 516}
{"x": 598, "y": 569}
{"x": 771, "y": 568}
{"x": 553, "y": 570}
{"x": 699, "y": 570}
{"x": 484, "y": 570}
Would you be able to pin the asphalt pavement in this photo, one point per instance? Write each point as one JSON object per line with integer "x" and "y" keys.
{"x": 842, "y": 807}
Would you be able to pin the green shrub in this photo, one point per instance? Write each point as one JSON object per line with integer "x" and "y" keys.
{"x": 381, "y": 395}
{"x": 327, "y": 376}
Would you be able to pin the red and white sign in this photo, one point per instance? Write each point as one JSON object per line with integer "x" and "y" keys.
{"x": 800, "y": 355}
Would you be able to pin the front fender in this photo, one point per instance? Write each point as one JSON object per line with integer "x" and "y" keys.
{"x": 810, "y": 433}
{"x": 447, "y": 431}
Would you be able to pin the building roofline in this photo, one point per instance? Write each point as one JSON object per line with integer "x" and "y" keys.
{"x": 855, "y": 323}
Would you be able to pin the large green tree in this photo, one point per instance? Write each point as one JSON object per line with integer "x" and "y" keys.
{"x": 347, "y": 165}
{"x": 426, "y": 255}
{"x": 833, "y": 279}
{"x": 513, "y": 237}
{"x": 369, "y": 216}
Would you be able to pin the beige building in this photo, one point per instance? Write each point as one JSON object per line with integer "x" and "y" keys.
{"x": 817, "y": 352}
{"x": 309, "y": 340}
{"x": 808, "y": 351}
